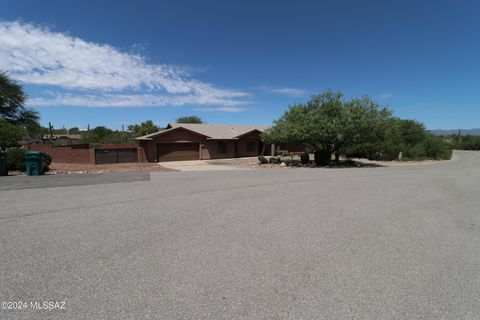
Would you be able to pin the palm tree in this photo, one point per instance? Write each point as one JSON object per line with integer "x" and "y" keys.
{"x": 13, "y": 110}
{"x": 12, "y": 98}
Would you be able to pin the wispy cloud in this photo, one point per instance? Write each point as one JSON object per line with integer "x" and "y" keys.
{"x": 386, "y": 95}
{"x": 222, "y": 109}
{"x": 129, "y": 100}
{"x": 291, "y": 92}
{"x": 39, "y": 56}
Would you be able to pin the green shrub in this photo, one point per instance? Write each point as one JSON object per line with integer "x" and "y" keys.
{"x": 465, "y": 142}
{"x": 262, "y": 160}
{"x": 436, "y": 148}
{"x": 47, "y": 160}
{"x": 15, "y": 159}
{"x": 321, "y": 158}
{"x": 275, "y": 160}
{"x": 305, "y": 158}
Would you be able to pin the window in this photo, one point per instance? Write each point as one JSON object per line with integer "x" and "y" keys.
{"x": 222, "y": 147}
{"x": 252, "y": 146}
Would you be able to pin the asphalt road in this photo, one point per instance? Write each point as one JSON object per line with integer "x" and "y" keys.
{"x": 64, "y": 180}
{"x": 363, "y": 243}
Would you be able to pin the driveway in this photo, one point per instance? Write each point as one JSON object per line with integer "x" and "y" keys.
{"x": 357, "y": 243}
{"x": 201, "y": 165}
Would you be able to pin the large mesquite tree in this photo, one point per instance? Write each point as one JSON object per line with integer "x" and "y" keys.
{"x": 329, "y": 123}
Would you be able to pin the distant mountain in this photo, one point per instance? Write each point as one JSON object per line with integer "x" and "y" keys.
{"x": 463, "y": 132}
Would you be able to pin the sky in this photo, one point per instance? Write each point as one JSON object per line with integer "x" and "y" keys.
{"x": 120, "y": 62}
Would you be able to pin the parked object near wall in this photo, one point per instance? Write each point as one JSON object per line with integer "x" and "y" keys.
{"x": 34, "y": 163}
{"x": 3, "y": 163}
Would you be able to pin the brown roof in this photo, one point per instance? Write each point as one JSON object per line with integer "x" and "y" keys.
{"x": 67, "y": 136}
{"x": 211, "y": 131}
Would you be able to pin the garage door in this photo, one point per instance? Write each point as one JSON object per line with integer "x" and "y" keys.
{"x": 104, "y": 156}
{"x": 177, "y": 151}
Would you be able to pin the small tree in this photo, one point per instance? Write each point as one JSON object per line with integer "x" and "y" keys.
{"x": 9, "y": 135}
{"x": 74, "y": 130}
{"x": 189, "y": 119}
{"x": 143, "y": 128}
{"x": 96, "y": 135}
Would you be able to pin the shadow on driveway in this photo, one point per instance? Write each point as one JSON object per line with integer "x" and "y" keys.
{"x": 52, "y": 181}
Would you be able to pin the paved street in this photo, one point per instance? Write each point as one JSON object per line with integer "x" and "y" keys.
{"x": 360, "y": 243}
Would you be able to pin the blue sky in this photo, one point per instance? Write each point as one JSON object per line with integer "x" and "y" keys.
{"x": 241, "y": 62}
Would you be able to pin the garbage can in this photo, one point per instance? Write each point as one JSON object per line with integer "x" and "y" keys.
{"x": 3, "y": 165}
{"x": 34, "y": 163}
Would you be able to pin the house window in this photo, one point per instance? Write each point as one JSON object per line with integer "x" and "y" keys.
{"x": 252, "y": 146}
{"x": 222, "y": 147}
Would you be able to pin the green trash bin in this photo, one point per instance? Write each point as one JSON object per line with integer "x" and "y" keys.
{"x": 3, "y": 164}
{"x": 34, "y": 163}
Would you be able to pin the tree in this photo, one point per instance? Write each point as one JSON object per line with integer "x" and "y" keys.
{"x": 96, "y": 135}
{"x": 143, "y": 128}
{"x": 74, "y": 130}
{"x": 12, "y": 98}
{"x": 328, "y": 123}
{"x": 189, "y": 119}
{"x": 411, "y": 131}
{"x": 13, "y": 110}
{"x": 9, "y": 134}
{"x": 29, "y": 120}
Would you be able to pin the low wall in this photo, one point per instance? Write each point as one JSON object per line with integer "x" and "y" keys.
{"x": 82, "y": 153}
{"x": 79, "y": 153}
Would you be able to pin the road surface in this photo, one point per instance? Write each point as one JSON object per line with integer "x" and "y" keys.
{"x": 360, "y": 243}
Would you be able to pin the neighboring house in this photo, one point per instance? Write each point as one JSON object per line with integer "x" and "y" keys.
{"x": 187, "y": 141}
{"x": 30, "y": 142}
{"x": 65, "y": 139}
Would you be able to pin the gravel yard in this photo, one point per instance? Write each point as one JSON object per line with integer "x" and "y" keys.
{"x": 74, "y": 168}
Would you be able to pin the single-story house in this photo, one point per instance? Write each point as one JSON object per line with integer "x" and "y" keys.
{"x": 188, "y": 141}
{"x": 64, "y": 138}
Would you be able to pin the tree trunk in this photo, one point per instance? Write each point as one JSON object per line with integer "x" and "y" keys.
{"x": 337, "y": 156}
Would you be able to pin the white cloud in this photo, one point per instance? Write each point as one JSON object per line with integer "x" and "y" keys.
{"x": 130, "y": 100}
{"x": 36, "y": 55}
{"x": 223, "y": 109}
{"x": 291, "y": 92}
{"x": 386, "y": 95}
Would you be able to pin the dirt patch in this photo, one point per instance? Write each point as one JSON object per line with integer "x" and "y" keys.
{"x": 75, "y": 168}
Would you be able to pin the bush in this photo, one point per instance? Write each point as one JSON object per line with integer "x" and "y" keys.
{"x": 305, "y": 158}
{"x": 262, "y": 160}
{"x": 15, "y": 159}
{"x": 321, "y": 158}
{"x": 436, "y": 148}
{"x": 47, "y": 160}
{"x": 465, "y": 142}
{"x": 282, "y": 153}
{"x": 275, "y": 160}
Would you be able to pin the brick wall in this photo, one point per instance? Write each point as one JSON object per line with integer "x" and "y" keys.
{"x": 82, "y": 153}
{"x": 67, "y": 154}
